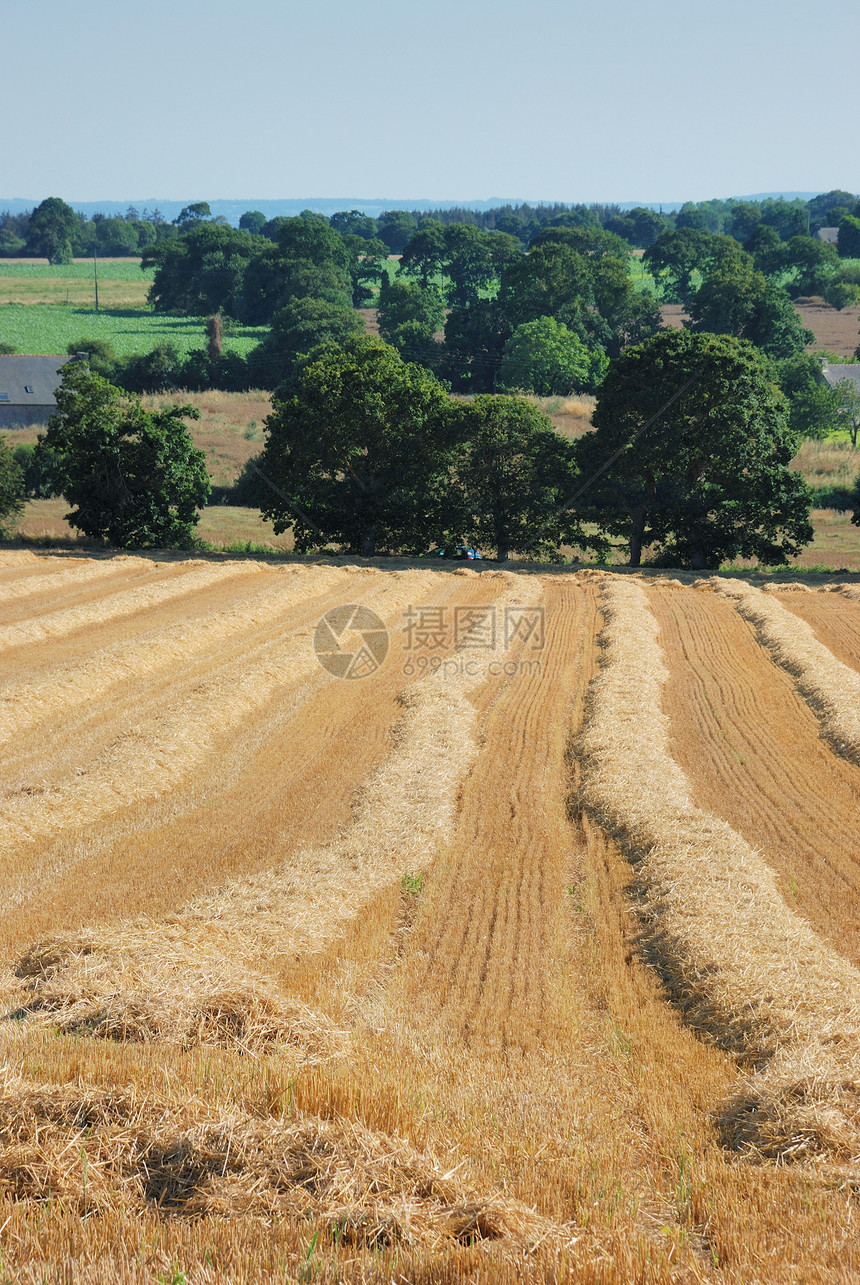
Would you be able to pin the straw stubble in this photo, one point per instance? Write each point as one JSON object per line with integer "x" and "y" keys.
{"x": 831, "y": 689}
{"x": 147, "y": 980}
{"x": 745, "y": 971}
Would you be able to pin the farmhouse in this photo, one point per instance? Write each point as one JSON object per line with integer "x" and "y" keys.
{"x": 834, "y": 374}
{"x": 27, "y": 390}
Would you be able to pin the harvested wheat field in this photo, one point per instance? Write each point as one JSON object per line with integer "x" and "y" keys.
{"x": 501, "y": 927}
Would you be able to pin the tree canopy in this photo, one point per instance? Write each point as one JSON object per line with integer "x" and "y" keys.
{"x": 52, "y": 225}
{"x": 12, "y": 487}
{"x": 510, "y": 475}
{"x": 546, "y": 358}
{"x": 356, "y": 451}
{"x": 696, "y": 437}
{"x": 734, "y": 299}
{"x": 134, "y": 477}
{"x": 299, "y": 328}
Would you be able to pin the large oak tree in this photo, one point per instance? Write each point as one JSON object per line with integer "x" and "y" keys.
{"x": 691, "y": 453}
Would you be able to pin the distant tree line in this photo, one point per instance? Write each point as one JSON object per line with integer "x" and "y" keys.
{"x": 55, "y": 231}
{"x": 525, "y": 298}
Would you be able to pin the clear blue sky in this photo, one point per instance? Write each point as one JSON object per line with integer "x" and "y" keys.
{"x": 613, "y": 100}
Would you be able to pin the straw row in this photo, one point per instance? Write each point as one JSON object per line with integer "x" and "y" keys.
{"x": 16, "y": 558}
{"x": 85, "y": 681}
{"x": 403, "y": 816}
{"x": 78, "y": 572}
{"x": 831, "y": 688}
{"x": 745, "y": 971}
{"x": 125, "y": 603}
{"x": 97, "y": 1150}
{"x": 153, "y": 758}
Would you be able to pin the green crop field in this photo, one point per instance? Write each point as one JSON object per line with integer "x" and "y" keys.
{"x": 44, "y": 308}
{"x": 81, "y": 269}
{"x": 46, "y": 329}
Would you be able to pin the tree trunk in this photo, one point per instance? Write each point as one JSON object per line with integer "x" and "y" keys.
{"x": 637, "y": 534}
{"x": 502, "y": 546}
{"x": 368, "y": 543}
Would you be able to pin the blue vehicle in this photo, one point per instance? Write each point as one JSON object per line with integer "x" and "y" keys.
{"x": 459, "y": 553}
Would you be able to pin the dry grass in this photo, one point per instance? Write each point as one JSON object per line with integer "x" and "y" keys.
{"x": 229, "y": 430}
{"x": 571, "y": 416}
{"x": 90, "y": 679}
{"x": 753, "y": 752}
{"x": 834, "y": 331}
{"x": 76, "y": 572}
{"x": 743, "y": 968}
{"x": 831, "y": 462}
{"x": 835, "y": 544}
{"x": 224, "y": 526}
{"x": 96, "y": 1151}
{"x": 74, "y": 292}
{"x": 831, "y": 688}
{"x": 150, "y": 759}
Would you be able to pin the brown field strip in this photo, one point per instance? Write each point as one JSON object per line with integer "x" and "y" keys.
{"x": 155, "y": 755}
{"x": 830, "y": 688}
{"x": 753, "y": 752}
{"x": 174, "y": 582}
{"x": 745, "y": 970}
{"x": 79, "y": 593}
{"x": 76, "y": 573}
{"x": 58, "y": 690}
{"x": 49, "y": 656}
{"x": 382, "y": 1001}
{"x": 299, "y": 906}
{"x": 833, "y": 617}
{"x": 519, "y": 1024}
{"x": 293, "y": 772}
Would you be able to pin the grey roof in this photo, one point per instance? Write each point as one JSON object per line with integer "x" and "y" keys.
{"x": 17, "y": 374}
{"x": 830, "y": 235}
{"x": 833, "y": 374}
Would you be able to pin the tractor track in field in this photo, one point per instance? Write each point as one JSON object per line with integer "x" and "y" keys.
{"x": 834, "y": 618}
{"x": 753, "y": 751}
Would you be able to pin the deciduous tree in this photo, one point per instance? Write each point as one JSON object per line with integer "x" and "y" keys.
{"x": 546, "y": 358}
{"x": 134, "y": 477}
{"x": 734, "y": 299}
{"x": 12, "y": 487}
{"x": 849, "y": 237}
{"x": 409, "y": 317}
{"x": 356, "y": 452}
{"x": 690, "y": 454}
{"x": 52, "y": 226}
{"x": 299, "y": 328}
{"x": 510, "y": 477}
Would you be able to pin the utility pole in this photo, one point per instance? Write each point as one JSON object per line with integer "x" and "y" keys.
{"x": 96, "y": 277}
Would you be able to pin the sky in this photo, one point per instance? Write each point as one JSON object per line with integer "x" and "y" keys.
{"x": 449, "y": 100}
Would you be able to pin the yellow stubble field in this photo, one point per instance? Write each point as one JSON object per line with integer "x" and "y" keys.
{"x": 528, "y": 953}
